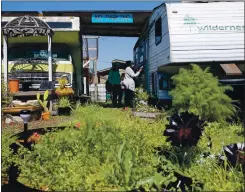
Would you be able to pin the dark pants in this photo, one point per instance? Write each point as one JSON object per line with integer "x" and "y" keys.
{"x": 129, "y": 98}
{"x": 117, "y": 96}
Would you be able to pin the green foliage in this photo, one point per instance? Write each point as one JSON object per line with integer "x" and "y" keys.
{"x": 64, "y": 102}
{"x": 161, "y": 179}
{"x": 142, "y": 101}
{"x": 6, "y": 95}
{"x": 45, "y": 100}
{"x": 200, "y": 163}
{"x": 7, "y": 152}
{"x": 215, "y": 177}
{"x": 198, "y": 92}
{"x": 62, "y": 82}
{"x": 141, "y": 94}
{"x": 220, "y": 136}
{"x": 108, "y": 151}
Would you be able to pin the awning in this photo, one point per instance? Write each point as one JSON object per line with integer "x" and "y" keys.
{"x": 231, "y": 69}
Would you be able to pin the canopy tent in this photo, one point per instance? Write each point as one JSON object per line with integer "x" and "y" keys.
{"x": 25, "y": 26}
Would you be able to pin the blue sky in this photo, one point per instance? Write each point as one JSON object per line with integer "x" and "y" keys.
{"x": 109, "y": 47}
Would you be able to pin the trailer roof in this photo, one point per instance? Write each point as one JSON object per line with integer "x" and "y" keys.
{"x": 98, "y": 29}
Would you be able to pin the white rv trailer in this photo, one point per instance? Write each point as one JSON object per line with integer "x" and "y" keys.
{"x": 178, "y": 34}
{"x": 66, "y": 53}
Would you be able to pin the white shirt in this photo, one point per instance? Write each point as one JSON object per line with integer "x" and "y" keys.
{"x": 128, "y": 79}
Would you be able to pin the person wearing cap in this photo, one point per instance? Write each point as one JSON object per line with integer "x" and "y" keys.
{"x": 129, "y": 84}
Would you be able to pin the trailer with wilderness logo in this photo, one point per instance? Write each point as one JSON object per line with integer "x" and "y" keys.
{"x": 178, "y": 34}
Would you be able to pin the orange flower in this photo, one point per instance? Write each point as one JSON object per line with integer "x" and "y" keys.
{"x": 34, "y": 138}
{"x": 78, "y": 125}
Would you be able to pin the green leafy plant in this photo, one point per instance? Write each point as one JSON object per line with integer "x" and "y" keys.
{"x": 141, "y": 94}
{"x": 64, "y": 102}
{"x": 45, "y": 100}
{"x": 105, "y": 151}
{"x": 7, "y": 152}
{"x": 142, "y": 101}
{"x": 198, "y": 91}
{"x": 6, "y": 95}
{"x": 108, "y": 150}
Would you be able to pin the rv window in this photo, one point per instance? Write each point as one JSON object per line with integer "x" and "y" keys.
{"x": 158, "y": 31}
{"x": 38, "y": 51}
{"x": 163, "y": 84}
{"x": 141, "y": 58}
{"x": 55, "y": 25}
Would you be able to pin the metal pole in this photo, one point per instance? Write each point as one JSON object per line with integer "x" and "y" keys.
{"x": 50, "y": 67}
{"x": 95, "y": 82}
{"x": 50, "y": 71}
{"x": 85, "y": 86}
{"x": 5, "y": 55}
{"x": 25, "y": 133}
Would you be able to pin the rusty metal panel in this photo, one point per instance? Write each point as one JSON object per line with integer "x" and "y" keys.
{"x": 231, "y": 69}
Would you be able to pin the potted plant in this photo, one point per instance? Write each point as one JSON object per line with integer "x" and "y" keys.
{"x": 64, "y": 106}
{"x": 62, "y": 90}
{"x": 46, "y": 113}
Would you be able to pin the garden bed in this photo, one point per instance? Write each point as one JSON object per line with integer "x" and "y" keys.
{"x": 108, "y": 149}
{"x": 55, "y": 121}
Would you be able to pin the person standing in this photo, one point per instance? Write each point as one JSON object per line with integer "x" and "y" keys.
{"x": 113, "y": 85}
{"x": 130, "y": 85}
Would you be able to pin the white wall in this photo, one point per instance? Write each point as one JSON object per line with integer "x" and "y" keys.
{"x": 158, "y": 54}
{"x": 204, "y": 32}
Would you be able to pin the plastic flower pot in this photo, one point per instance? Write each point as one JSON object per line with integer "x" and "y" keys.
{"x": 46, "y": 115}
{"x": 14, "y": 85}
{"x": 64, "y": 111}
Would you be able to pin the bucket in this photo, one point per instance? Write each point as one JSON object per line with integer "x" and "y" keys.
{"x": 46, "y": 115}
{"x": 14, "y": 85}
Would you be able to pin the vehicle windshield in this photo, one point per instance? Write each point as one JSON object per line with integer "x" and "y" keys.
{"x": 59, "y": 52}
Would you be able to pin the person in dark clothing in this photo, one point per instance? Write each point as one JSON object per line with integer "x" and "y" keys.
{"x": 114, "y": 80}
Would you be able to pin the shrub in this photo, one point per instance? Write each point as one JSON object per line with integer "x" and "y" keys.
{"x": 7, "y": 152}
{"x": 141, "y": 99}
{"x": 202, "y": 164}
{"x": 198, "y": 91}
{"x": 106, "y": 151}
{"x": 6, "y": 95}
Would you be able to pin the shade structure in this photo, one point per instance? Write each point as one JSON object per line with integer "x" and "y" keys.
{"x": 25, "y": 26}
